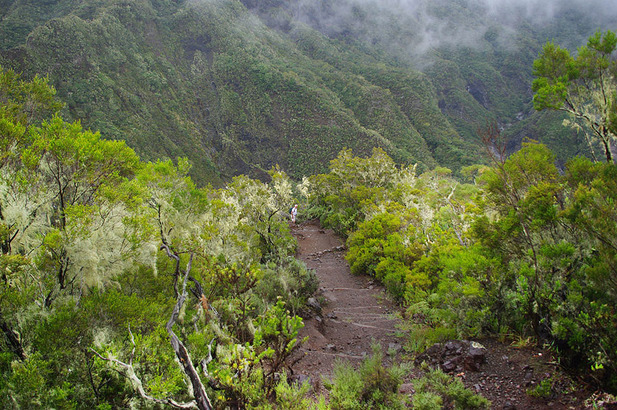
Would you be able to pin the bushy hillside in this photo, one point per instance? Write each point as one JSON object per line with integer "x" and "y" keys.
{"x": 238, "y": 87}
{"x": 477, "y": 55}
{"x": 209, "y": 81}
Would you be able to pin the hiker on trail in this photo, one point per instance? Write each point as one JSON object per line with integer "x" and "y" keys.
{"x": 294, "y": 213}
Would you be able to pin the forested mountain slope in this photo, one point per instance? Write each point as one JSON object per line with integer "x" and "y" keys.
{"x": 123, "y": 284}
{"x": 238, "y": 87}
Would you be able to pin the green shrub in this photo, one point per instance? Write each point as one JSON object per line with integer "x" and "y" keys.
{"x": 393, "y": 275}
{"x": 372, "y": 386}
{"x": 450, "y": 390}
{"x": 294, "y": 397}
{"x": 544, "y": 389}
{"x": 427, "y": 401}
{"x": 289, "y": 280}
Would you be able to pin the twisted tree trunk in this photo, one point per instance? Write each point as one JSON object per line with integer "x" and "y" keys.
{"x": 199, "y": 391}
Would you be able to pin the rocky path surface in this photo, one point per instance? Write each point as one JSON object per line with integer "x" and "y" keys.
{"x": 350, "y": 312}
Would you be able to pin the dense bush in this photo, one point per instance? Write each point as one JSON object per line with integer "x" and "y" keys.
{"x": 437, "y": 390}
{"x": 371, "y": 386}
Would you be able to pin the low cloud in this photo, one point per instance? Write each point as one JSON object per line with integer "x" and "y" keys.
{"x": 431, "y": 24}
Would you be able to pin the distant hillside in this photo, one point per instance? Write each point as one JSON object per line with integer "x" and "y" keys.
{"x": 238, "y": 87}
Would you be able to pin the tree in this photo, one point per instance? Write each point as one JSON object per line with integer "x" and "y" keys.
{"x": 75, "y": 177}
{"x": 22, "y": 104}
{"x": 585, "y": 87}
{"x": 353, "y": 187}
{"x": 525, "y": 192}
{"x": 262, "y": 207}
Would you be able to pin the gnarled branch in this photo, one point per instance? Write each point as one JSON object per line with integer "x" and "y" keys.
{"x": 199, "y": 391}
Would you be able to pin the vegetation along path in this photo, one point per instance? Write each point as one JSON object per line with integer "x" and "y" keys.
{"x": 350, "y": 312}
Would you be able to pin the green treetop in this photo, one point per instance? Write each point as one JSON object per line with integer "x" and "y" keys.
{"x": 585, "y": 87}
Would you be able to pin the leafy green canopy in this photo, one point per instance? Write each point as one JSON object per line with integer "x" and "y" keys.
{"x": 585, "y": 87}
{"x": 120, "y": 279}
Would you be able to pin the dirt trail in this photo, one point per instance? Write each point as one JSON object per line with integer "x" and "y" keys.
{"x": 355, "y": 312}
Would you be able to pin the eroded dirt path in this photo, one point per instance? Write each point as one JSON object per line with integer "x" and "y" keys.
{"x": 355, "y": 312}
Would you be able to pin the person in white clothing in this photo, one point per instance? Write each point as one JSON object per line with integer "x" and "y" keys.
{"x": 294, "y": 213}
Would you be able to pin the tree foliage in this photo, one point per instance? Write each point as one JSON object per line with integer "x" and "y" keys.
{"x": 123, "y": 283}
{"x": 584, "y": 86}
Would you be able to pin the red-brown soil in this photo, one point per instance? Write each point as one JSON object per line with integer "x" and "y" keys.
{"x": 354, "y": 313}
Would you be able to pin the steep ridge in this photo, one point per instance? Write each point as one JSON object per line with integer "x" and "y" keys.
{"x": 208, "y": 80}
{"x": 241, "y": 86}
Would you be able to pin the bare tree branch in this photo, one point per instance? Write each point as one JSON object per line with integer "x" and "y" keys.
{"x": 199, "y": 391}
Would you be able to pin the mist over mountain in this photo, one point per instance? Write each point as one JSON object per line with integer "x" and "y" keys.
{"x": 240, "y": 86}
{"x": 481, "y": 49}
{"x": 415, "y": 27}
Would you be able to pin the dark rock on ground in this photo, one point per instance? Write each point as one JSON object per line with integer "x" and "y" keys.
{"x": 454, "y": 356}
